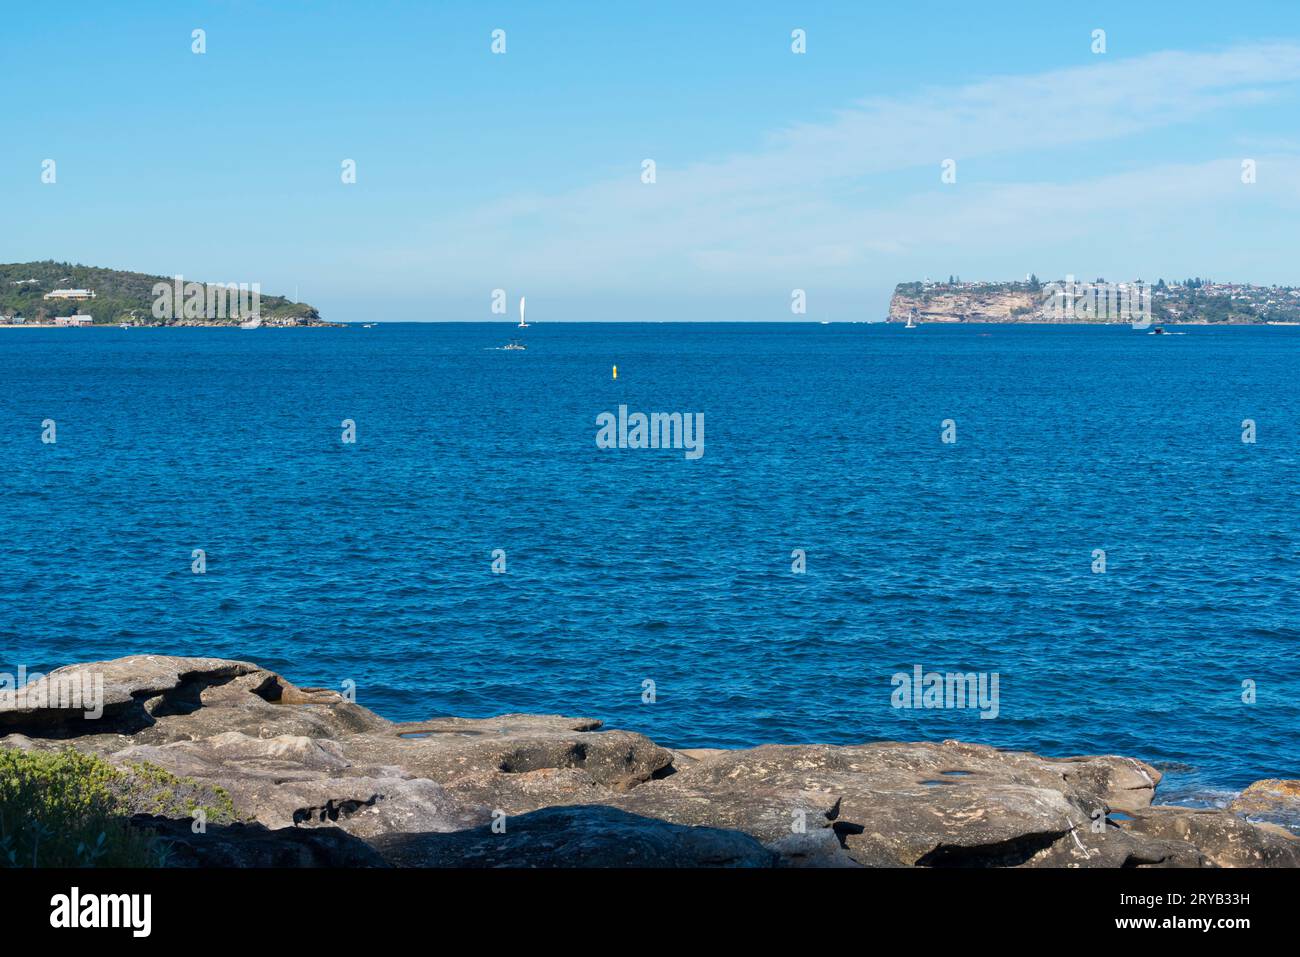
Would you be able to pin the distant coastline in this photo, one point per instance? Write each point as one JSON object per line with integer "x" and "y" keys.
{"x": 36, "y": 294}
{"x": 1067, "y": 302}
{"x": 177, "y": 325}
{"x": 49, "y": 294}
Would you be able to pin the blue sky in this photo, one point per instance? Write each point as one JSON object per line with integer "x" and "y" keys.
{"x": 775, "y": 171}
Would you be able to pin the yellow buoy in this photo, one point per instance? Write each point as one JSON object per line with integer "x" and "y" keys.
{"x": 615, "y": 372}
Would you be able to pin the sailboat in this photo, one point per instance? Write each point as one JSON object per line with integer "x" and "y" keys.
{"x": 910, "y": 323}
{"x": 522, "y": 324}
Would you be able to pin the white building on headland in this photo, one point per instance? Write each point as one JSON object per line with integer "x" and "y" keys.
{"x": 78, "y": 320}
{"x": 70, "y": 294}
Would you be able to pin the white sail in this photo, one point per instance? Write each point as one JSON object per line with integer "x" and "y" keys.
{"x": 522, "y": 324}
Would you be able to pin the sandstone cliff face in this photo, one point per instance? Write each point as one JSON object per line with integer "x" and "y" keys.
{"x": 969, "y": 306}
{"x": 319, "y": 781}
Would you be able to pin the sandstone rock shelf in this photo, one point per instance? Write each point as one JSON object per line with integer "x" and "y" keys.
{"x": 317, "y": 780}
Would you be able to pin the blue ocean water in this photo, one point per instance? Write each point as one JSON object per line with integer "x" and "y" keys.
{"x": 372, "y": 562}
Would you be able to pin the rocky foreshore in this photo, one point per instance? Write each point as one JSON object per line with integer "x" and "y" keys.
{"x": 309, "y": 778}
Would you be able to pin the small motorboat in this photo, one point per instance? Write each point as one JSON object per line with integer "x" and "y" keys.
{"x": 515, "y": 346}
{"x": 1157, "y": 331}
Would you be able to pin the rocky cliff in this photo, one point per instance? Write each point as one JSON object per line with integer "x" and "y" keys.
{"x": 314, "y": 779}
{"x": 965, "y": 306}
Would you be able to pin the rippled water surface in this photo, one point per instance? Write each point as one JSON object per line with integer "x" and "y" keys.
{"x": 371, "y": 562}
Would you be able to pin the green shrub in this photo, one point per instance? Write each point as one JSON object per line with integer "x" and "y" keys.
{"x": 58, "y": 809}
{"x": 68, "y": 809}
{"x": 145, "y": 788}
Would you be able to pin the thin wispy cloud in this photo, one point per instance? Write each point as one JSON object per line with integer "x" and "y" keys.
{"x": 860, "y": 188}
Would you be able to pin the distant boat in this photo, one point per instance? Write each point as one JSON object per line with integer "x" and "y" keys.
{"x": 910, "y": 323}
{"x": 368, "y": 325}
{"x": 1157, "y": 331}
{"x": 123, "y": 325}
{"x": 522, "y": 324}
{"x": 515, "y": 346}
{"x": 251, "y": 323}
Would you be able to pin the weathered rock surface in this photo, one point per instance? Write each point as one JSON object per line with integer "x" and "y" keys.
{"x": 893, "y": 805}
{"x": 1273, "y": 800}
{"x": 1226, "y": 839}
{"x": 252, "y": 845}
{"x": 319, "y": 780}
{"x": 579, "y": 836}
